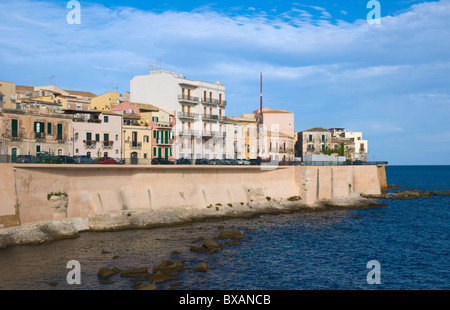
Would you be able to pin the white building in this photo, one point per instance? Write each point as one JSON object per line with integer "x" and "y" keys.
{"x": 199, "y": 110}
{"x": 361, "y": 146}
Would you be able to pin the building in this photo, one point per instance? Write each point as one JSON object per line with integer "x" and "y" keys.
{"x": 32, "y": 130}
{"x": 136, "y": 144}
{"x": 276, "y": 136}
{"x": 7, "y": 95}
{"x": 313, "y": 141}
{"x": 247, "y": 140}
{"x": 106, "y": 102}
{"x": 352, "y": 140}
{"x": 96, "y": 133}
{"x": 198, "y": 107}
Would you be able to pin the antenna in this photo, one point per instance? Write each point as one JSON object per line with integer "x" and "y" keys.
{"x": 154, "y": 66}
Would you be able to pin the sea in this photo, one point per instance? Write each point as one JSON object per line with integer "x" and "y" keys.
{"x": 404, "y": 246}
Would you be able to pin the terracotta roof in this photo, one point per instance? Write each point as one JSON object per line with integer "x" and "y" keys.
{"x": 24, "y": 88}
{"x": 81, "y": 93}
{"x": 317, "y": 129}
{"x": 144, "y": 106}
{"x": 241, "y": 119}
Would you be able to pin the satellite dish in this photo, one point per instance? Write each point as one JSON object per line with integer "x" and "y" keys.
{"x": 13, "y": 97}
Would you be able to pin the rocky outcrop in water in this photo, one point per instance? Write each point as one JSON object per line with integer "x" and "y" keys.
{"x": 408, "y": 194}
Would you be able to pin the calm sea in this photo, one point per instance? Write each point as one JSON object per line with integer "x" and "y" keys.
{"x": 301, "y": 251}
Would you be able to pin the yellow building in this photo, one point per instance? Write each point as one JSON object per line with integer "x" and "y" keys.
{"x": 249, "y": 136}
{"x": 7, "y": 95}
{"x": 136, "y": 141}
{"x": 105, "y": 102}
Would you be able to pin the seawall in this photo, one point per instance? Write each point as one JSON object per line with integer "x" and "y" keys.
{"x": 97, "y": 197}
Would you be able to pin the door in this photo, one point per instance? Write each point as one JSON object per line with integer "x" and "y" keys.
{"x": 13, "y": 155}
{"x": 134, "y": 158}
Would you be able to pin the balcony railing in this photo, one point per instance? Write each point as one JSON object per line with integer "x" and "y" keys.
{"x": 39, "y": 136}
{"x": 60, "y": 138}
{"x": 90, "y": 144}
{"x": 188, "y": 115}
{"x": 188, "y": 98}
{"x": 108, "y": 144}
{"x": 136, "y": 145}
{"x": 211, "y": 117}
{"x": 164, "y": 124}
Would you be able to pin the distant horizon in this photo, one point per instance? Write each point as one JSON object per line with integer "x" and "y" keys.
{"x": 321, "y": 60}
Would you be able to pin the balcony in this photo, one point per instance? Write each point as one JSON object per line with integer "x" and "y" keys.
{"x": 188, "y": 99}
{"x": 164, "y": 124}
{"x": 39, "y": 136}
{"x": 188, "y": 132}
{"x": 215, "y": 102}
{"x": 60, "y": 138}
{"x": 14, "y": 135}
{"x": 188, "y": 115}
{"x": 210, "y": 117}
{"x": 90, "y": 144}
{"x": 108, "y": 144}
{"x": 136, "y": 145}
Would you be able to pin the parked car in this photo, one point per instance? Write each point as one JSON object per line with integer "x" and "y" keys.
{"x": 183, "y": 161}
{"x": 232, "y": 161}
{"x": 106, "y": 161}
{"x": 161, "y": 161}
{"x": 83, "y": 159}
{"x": 27, "y": 159}
{"x": 215, "y": 161}
{"x": 243, "y": 162}
{"x": 201, "y": 161}
{"x": 226, "y": 162}
{"x": 65, "y": 160}
{"x": 255, "y": 161}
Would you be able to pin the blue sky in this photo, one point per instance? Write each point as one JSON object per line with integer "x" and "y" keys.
{"x": 320, "y": 59}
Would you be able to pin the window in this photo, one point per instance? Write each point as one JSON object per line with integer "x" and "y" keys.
{"x": 97, "y": 137}
{"x": 49, "y": 128}
{"x": 60, "y": 152}
{"x": 106, "y": 137}
{"x": 117, "y": 152}
{"x": 310, "y": 138}
{"x": 117, "y": 137}
{"x": 88, "y": 136}
{"x": 105, "y": 154}
{"x": 38, "y": 148}
{"x": 323, "y": 147}
{"x": 76, "y": 136}
{"x": 323, "y": 138}
{"x": 145, "y": 140}
{"x": 145, "y": 155}
{"x": 77, "y": 151}
{"x": 1, "y": 98}
{"x": 106, "y": 119}
{"x": 79, "y": 107}
{"x": 88, "y": 154}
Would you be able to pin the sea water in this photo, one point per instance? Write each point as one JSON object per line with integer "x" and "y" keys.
{"x": 328, "y": 250}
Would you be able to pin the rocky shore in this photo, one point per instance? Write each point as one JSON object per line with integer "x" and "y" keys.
{"x": 43, "y": 232}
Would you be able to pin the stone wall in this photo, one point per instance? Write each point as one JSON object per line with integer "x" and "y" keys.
{"x": 47, "y": 192}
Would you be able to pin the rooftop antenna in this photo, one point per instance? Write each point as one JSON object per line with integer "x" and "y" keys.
{"x": 154, "y": 66}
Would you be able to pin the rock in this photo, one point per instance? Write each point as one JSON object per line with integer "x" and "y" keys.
{"x": 198, "y": 239}
{"x": 115, "y": 256}
{"x": 233, "y": 242}
{"x": 210, "y": 244}
{"x": 169, "y": 266}
{"x": 105, "y": 272}
{"x": 53, "y": 284}
{"x": 105, "y": 252}
{"x": 357, "y": 216}
{"x": 146, "y": 287}
{"x": 174, "y": 286}
{"x": 175, "y": 252}
{"x": 161, "y": 276}
{"x": 220, "y": 227}
{"x": 141, "y": 272}
{"x": 202, "y": 267}
{"x": 197, "y": 249}
{"x": 230, "y": 234}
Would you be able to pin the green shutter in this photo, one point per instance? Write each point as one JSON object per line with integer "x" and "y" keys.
{"x": 106, "y": 137}
{"x": 59, "y": 131}
{"x": 154, "y": 151}
{"x": 154, "y": 134}
{"x": 159, "y": 152}
{"x": 170, "y": 151}
{"x": 166, "y": 137}
{"x": 14, "y": 126}
{"x": 166, "y": 153}
{"x": 49, "y": 128}
{"x": 97, "y": 137}
{"x": 88, "y": 136}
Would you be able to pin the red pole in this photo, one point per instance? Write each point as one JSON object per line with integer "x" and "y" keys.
{"x": 260, "y": 111}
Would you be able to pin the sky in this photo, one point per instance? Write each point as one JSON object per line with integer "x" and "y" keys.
{"x": 321, "y": 60}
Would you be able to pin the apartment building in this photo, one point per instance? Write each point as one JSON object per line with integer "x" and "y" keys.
{"x": 96, "y": 133}
{"x": 313, "y": 141}
{"x": 198, "y": 106}
{"x": 32, "y": 130}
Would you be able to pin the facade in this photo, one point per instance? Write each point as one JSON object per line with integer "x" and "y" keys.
{"x": 96, "y": 133}
{"x": 313, "y": 141}
{"x": 33, "y": 130}
{"x": 198, "y": 106}
{"x": 248, "y": 139}
{"x": 163, "y": 135}
{"x": 105, "y": 102}
{"x": 137, "y": 144}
